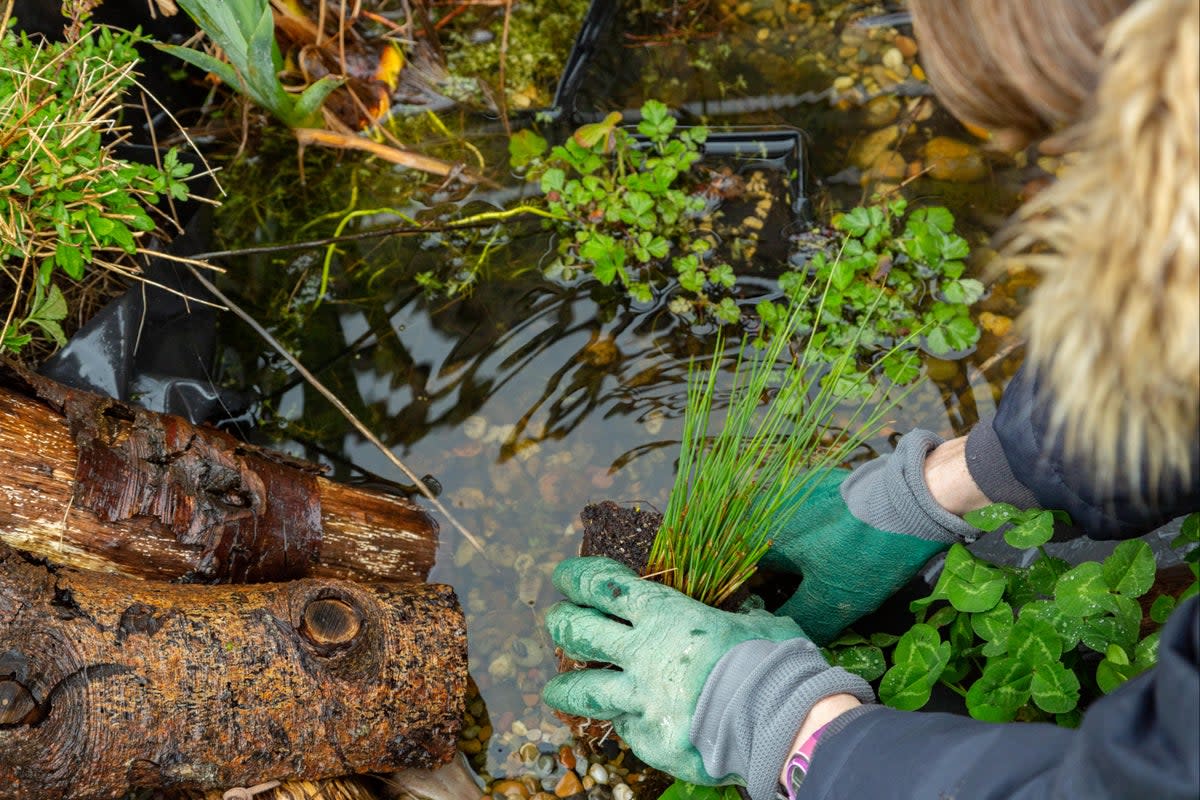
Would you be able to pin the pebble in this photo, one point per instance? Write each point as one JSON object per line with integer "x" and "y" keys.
{"x": 510, "y": 788}
{"x": 893, "y": 59}
{"x": 568, "y": 785}
{"x": 622, "y": 792}
{"x": 519, "y": 728}
{"x": 881, "y": 111}
{"x": 889, "y": 166}
{"x": 598, "y": 773}
{"x": 868, "y": 148}
{"x": 528, "y": 752}
{"x": 995, "y": 324}
{"x": 954, "y": 160}
{"x": 906, "y": 45}
{"x": 566, "y": 757}
{"x": 843, "y": 83}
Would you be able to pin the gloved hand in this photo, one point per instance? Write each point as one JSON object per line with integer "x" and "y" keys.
{"x": 706, "y": 695}
{"x": 859, "y": 536}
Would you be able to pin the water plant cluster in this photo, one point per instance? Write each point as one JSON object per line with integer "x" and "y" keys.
{"x": 624, "y": 211}
{"x": 891, "y": 260}
{"x": 1026, "y": 643}
{"x": 68, "y": 201}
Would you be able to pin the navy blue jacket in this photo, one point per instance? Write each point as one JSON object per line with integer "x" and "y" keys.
{"x": 1142, "y": 742}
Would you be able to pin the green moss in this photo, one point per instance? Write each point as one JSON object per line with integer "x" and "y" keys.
{"x": 540, "y": 38}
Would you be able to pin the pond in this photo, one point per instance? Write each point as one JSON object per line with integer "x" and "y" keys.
{"x": 528, "y": 397}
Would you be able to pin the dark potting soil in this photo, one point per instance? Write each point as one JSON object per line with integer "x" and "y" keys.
{"x": 622, "y": 534}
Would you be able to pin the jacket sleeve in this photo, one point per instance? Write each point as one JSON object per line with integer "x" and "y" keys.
{"x": 1141, "y": 741}
{"x": 1017, "y": 441}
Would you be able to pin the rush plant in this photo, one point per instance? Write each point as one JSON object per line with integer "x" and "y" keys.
{"x": 789, "y": 418}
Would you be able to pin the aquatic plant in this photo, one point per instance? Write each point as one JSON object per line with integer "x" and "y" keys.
{"x": 1014, "y": 642}
{"x": 245, "y": 31}
{"x": 67, "y": 201}
{"x": 786, "y": 424}
{"x": 627, "y": 216}
{"x": 902, "y": 268}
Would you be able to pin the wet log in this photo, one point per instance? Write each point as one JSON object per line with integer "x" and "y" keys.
{"x": 105, "y": 485}
{"x": 108, "y": 683}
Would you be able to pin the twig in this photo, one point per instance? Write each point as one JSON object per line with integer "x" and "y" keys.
{"x": 338, "y": 404}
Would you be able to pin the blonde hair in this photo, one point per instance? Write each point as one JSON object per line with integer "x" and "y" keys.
{"x": 1114, "y": 327}
{"x": 1022, "y": 67}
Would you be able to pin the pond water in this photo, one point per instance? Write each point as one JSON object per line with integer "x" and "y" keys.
{"x": 528, "y": 398}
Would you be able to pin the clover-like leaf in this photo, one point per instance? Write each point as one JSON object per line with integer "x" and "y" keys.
{"x": 1034, "y": 531}
{"x": 1055, "y": 688}
{"x": 1083, "y": 591}
{"x": 1001, "y": 690}
{"x": 919, "y": 659}
{"x": 991, "y": 517}
{"x": 1130, "y": 568}
{"x": 968, "y": 583}
{"x": 866, "y": 661}
{"x": 1034, "y": 641}
{"x": 995, "y": 624}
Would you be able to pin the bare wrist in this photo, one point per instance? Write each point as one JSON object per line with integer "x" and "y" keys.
{"x": 949, "y": 480}
{"x": 821, "y": 714}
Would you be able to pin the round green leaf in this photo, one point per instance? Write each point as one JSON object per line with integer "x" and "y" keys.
{"x": 1033, "y": 532}
{"x": 989, "y": 518}
{"x": 1035, "y": 642}
{"x": 1002, "y": 689}
{"x": 1045, "y": 572}
{"x": 994, "y": 624}
{"x": 906, "y": 687}
{"x": 1055, "y": 688}
{"x": 1161, "y": 608}
{"x": 866, "y": 661}
{"x": 1130, "y": 568}
{"x": 1083, "y": 591}
{"x": 968, "y": 583}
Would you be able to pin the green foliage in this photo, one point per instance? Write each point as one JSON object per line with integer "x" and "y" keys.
{"x": 903, "y": 270}
{"x": 66, "y": 201}
{"x": 783, "y": 429}
{"x": 245, "y": 31}
{"x": 1013, "y": 641}
{"x": 623, "y": 212}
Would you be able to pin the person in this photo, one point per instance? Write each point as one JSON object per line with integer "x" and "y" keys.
{"x": 1102, "y": 422}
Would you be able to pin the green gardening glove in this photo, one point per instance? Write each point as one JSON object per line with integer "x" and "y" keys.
{"x": 859, "y": 536}
{"x": 665, "y": 645}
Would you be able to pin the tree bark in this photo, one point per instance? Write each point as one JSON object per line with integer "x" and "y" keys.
{"x": 108, "y": 486}
{"x": 108, "y": 683}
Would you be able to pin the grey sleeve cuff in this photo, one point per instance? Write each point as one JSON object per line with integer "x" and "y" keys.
{"x": 989, "y": 468}
{"x": 889, "y": 493}
{"x": 753, "y": 703}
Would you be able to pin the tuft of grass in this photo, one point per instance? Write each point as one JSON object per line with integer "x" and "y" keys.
{"x": 67, "y": 201}
{"x": 790, "y": 417}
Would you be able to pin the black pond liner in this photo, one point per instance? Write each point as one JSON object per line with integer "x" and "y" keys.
{"x": 596, "y": 24}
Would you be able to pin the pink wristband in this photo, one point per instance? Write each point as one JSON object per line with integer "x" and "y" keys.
{"x": 798, "y": 764}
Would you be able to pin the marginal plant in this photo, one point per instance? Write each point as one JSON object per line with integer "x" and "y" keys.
{"x": 786, "y": 423}
{"x": 1027, "y": 643}
{"x": 904, "y": 269}
{"x": 67, "y": 201}
{"x": 245, "y": 31}
{"x": 627, "y": 215}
